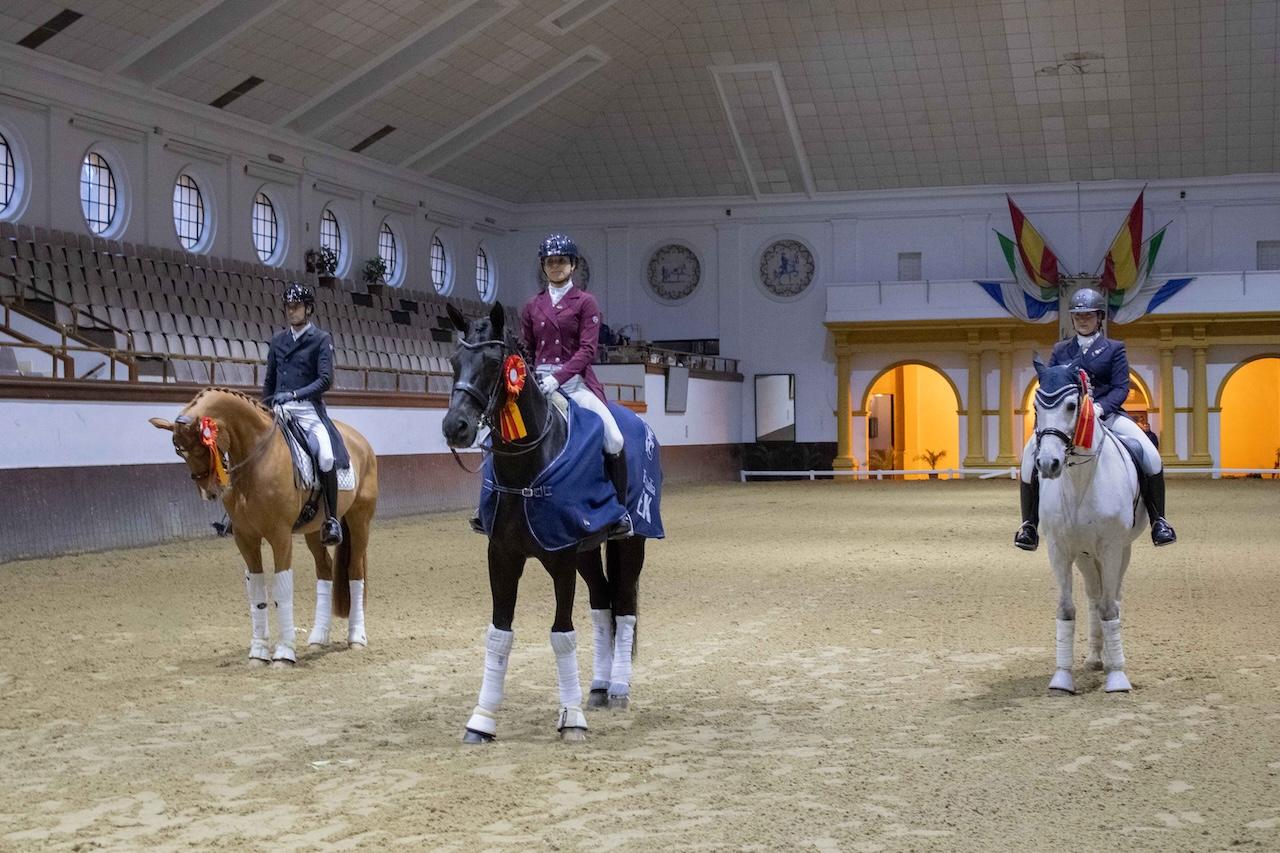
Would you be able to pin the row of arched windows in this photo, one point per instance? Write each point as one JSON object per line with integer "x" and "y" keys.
{"x": 100, "y": 202}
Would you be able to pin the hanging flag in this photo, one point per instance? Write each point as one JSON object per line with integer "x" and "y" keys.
{"x": 1038, "y": 259}
{"x": 1124, "y": 259}
{"x": 1149, "y": 297}
{"x": 1016, "y": 299}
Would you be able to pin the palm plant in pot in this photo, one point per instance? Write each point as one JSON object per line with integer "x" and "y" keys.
{"x": 932, "y": 457}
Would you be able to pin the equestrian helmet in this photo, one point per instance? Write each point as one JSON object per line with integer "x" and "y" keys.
{"x": 1086, "y": 300}
{"x": 558, "y": 244}
{"x": 296, "y": 292}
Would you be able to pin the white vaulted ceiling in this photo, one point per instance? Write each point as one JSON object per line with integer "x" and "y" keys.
{"x": 565, "y": 100}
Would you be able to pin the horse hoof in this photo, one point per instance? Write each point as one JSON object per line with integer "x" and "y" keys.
{"x": 316, "y": 647}
{"x": 283, "y": 663}
{"x": 1118, "y": 682}
{"x": 1062, "y": 683}
{"x": 619, "y": 703}
{"x": 598, "y": 699}
{"x": 1094, "y": 664}
{"x": 358, "y": 646}
{"x": 258, "y": 663}
{"x": 472, "y": 737}
{"x": 572, "y": 734}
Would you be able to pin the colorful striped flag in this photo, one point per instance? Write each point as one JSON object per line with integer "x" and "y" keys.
{"x": 1124, "y": 259}
{"x": 1038, "y": 259}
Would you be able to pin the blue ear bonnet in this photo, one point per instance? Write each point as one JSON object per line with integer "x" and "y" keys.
{"x": 1055, "y": 379}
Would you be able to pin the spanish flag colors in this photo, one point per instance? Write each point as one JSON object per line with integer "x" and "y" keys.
{"x": 1124, "y": 259}
{"x": 1038, "y": 259}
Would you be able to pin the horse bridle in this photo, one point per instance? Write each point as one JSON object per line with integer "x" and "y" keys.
{"x": 231, "y": 469}
{"x": 488, "y": 404}
{"x": 1052, "y": 400}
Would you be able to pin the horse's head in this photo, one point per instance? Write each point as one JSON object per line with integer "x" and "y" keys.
{"x": 1063, "y": 391}
{"x": 202, "y": 445}
{"x": 477, "y": 371}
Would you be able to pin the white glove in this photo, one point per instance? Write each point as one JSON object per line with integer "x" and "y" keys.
{"x": 1097, "y": 410}
{"x": 549, "y": 384}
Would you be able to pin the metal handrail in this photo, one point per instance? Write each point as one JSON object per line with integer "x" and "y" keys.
{"x": 21, "y": 285}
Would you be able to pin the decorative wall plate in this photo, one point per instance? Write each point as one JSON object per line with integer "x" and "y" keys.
{"x": 674, "y": 272}
{"x": 786, "y": 268}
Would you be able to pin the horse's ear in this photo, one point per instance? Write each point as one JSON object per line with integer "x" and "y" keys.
{"x": 1037, "y": 364}
{"x": 497, "y": 319}
{"x": 161, "y": 423}
{"x": 456, "y": 317}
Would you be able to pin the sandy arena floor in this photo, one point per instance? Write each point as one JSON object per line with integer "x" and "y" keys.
{"x": 822, "y": 666}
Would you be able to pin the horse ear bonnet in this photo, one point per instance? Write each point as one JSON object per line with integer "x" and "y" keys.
{"x": 1059, "y": 377}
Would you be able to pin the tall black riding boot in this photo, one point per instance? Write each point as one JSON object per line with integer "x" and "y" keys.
{"x": 1153, "y": 497}
{"x": 331, "y": 531}
{"x": 616, "y": 466}
{"x": 1028, "y": 538}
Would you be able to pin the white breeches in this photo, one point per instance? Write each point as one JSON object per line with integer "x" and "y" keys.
{"x": 581, "y": 394}
{"x": 1118, "y": 424}
{"x": 304, "y": 412}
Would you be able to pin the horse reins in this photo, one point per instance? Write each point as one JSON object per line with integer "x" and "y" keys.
{"x": 488, "y": 403}
{"x": 231, "y": 469}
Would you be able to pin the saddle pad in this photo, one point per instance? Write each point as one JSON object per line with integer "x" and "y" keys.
{"x": 303, "y": 466}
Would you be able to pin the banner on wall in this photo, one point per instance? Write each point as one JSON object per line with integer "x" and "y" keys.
{"x": 1039, "y": 283}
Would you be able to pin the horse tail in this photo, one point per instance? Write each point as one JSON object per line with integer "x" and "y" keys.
{"x": 341, "y": 575}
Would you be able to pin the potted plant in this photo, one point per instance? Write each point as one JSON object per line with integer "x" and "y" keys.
{"x": 374, "y": 274}
{"x": 932, "y": 457}
{"x": 325, "y": 261}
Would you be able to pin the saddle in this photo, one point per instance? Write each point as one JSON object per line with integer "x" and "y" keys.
{"x": 1134, "y": 447}
{"x": 305, "y": 466}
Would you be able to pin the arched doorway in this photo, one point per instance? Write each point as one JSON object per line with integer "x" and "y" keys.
{"x": 1249, "y": 426}
{"x": 1137, "y": 405}
{"x": 912, "y": 420}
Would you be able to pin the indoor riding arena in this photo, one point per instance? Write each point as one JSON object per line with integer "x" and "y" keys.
{"x": 845, "y": 523}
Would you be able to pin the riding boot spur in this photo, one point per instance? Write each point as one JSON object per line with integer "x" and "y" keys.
{"x": 1028, "y": 538}
{"x": 331, "y": 531}
{"x": 1153, "y": 497}
{"x": 616, "y": 466}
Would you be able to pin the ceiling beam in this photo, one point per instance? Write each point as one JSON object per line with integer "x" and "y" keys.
{"x": 191, "y": 37}
{"x": 458, "y": 24}
{"x": 509, "y": 110}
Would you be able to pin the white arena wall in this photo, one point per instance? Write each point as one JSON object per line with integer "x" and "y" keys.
{"x": 112, "y": 480}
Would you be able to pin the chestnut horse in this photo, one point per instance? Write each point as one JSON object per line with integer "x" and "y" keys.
{"x": 235, "y": 451}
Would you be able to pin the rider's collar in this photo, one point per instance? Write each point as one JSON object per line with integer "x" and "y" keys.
{"x": 1085, "y": 343}
{"x": 297, "y": 333}
{"x": 557, "y": 293}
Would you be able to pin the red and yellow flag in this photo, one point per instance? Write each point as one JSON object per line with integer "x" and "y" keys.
{"x": 1038, "y": 259}
{"x": 1123, "y": 261}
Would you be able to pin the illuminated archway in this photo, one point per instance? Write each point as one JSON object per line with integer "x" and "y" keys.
{"x": 1137, "y": 404}
{"x": 912, "y": 409}
{"x": 1249, "y": 426}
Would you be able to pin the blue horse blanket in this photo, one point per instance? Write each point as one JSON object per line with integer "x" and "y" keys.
{"x": 572, "y": 500}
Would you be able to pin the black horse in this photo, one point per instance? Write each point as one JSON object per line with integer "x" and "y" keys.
{"x": 479, "y": 394}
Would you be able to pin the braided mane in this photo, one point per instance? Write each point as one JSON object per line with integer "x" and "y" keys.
{"x": 254, "y": 401}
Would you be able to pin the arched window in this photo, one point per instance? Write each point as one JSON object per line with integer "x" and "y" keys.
{"x": 439, "y": 264}
{"x": 331, "y": 234}
{"x": 97, "y": 192}
{"x": 388, "y": 250}
{"x": 8, "y": 173}
{"x": 484, "y": 275}
{"x": 188, "y": 212}
{"x": 266, "y": 227}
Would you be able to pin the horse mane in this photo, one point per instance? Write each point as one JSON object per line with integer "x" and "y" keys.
{"x": 251, "y": 400}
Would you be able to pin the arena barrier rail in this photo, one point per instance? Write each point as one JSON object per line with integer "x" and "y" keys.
{"x": 982, "y": 473}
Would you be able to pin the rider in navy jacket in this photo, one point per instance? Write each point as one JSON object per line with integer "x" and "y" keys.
{"x": 1107, "y": 364}
{"x": 299, "y": 371}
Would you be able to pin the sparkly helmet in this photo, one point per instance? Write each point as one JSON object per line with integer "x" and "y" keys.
{"x": 558, "y": 244}
{"x": 1086, "y": 300}
{"x": 296, "y": 292}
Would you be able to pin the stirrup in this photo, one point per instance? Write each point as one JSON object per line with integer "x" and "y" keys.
{"x": 622, "y": 528}
{"x": 475, "y": 524}
{"x": 1027, "y": 538}
{"x": 331, "y": 532}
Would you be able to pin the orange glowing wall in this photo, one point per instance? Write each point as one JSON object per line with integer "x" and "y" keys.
{"x": 928, "y": 406}
{"x": 1250, "y": 422}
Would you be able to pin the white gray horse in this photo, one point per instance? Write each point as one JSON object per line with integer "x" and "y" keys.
{"x": 1090, "y": 513}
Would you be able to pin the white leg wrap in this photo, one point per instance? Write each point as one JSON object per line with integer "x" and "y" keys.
{"x": 255, "y": 590}
{"x": 497, "y": 654}
{"x": 1066, "y": 643}
{"x": 1112, "y": 647}
{"x": 282, "y": 592}
{"x": 602, "y": 638}
{"x": 623, "y": 642}
{"x": 324, "y": 614}
{"x": 565, "y": 646}
{"x": 355, "y": 623}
